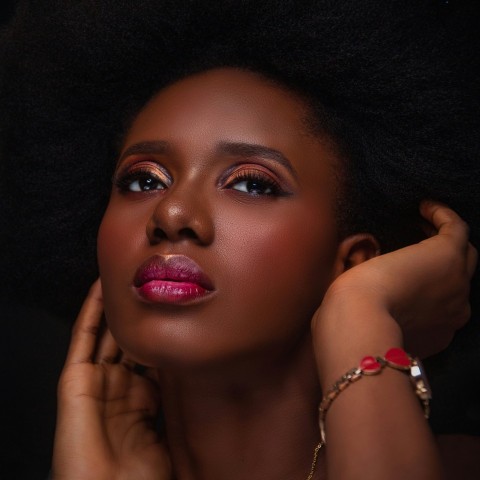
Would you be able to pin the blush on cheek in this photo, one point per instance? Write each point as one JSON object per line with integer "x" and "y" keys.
{"x": 111, "y": 248}
{"x": 107, "y": 255}
{"x": 105, "y": 240}
{"x": 293, "y": 260}
{"x": 117, "y": 236}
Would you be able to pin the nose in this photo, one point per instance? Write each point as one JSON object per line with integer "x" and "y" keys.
{"x": 181, "y": 214}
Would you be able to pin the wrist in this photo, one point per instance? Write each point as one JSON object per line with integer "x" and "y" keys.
{"x": 348, "y": 327}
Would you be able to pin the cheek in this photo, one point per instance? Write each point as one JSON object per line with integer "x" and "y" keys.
{"x": 283, "y": 266}
{"x": 270, "y": 265}
{"x": 120, "y": 236}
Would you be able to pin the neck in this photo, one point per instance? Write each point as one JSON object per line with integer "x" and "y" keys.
{"x": 255, "y": 420}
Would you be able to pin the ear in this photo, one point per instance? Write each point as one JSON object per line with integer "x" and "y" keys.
{"x": 354, "y": 250}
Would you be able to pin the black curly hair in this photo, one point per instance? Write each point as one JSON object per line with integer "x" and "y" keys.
{"x": 394, "y": 83}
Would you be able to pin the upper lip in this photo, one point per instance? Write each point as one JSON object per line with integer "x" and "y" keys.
{"x": 175, "y": 268}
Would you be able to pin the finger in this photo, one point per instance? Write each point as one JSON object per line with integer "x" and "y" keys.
{"x": 136, "y": 367}
{"x": 472, "y": 259}
{"x": 128, "y": 362}
{"x": 153, "y": 375}
{"x": 86, "y": 328}
{"x": 428, "y": 229}
{"x": 108, "y": 350}
{"x": 445, "y": 221}
{"x": 146, "y": 372}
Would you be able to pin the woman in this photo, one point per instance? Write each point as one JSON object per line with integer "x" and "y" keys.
{"x": 210, "y": 279}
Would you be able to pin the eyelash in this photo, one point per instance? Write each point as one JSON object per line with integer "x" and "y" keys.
{"x": 268, "y": 186}
{"x": 125, "y": 180}
{"x": 253, "y": 175}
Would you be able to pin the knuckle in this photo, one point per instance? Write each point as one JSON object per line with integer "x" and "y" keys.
{"x": 453, "y": 260}
{"x": 465, "y": 226}
{"x": 91, "y": 329}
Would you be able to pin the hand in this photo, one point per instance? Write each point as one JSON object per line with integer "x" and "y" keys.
{"x": 106, "y": 411}
{"x": 424, "y": 287}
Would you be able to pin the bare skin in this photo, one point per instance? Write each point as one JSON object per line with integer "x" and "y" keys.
{"x": 239, "y": 376}
{"x": 110, "y": 408}
{"x": 376, "y": 407}
{"x": 106, "y": 410}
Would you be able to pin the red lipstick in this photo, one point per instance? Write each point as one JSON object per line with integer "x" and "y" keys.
{"x": 171, "y": 279}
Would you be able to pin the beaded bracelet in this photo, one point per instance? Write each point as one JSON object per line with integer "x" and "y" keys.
{"x": 395, "y": 358}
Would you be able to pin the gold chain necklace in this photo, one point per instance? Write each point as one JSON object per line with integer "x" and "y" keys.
{"x": 314, "y": 461}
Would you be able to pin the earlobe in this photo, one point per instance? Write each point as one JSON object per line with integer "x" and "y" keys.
{"x": 355, "y": 249}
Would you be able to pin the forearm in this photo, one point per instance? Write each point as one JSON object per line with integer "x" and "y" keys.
{"x": 376, "y": 427}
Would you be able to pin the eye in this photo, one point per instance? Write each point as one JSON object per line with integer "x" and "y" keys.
{"x": 253, "y": 182}
{"x": 144, "y": 177}
{"x": 142, "y": 182}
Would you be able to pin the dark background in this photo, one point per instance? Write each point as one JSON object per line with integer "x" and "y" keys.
{"x": 7, "y": 8}
{"x": 32, "y": 349}
{"x": 33, "y": 344}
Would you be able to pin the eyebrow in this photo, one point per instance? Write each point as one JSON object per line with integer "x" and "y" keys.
{"x": 239, "y": 149}
{"x": 156, "y": 146}
{"x": 242, "y": 149}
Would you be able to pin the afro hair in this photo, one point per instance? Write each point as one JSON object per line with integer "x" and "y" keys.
{"x": 394, "y": 83}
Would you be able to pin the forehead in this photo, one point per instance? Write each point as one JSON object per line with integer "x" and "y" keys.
{"x": 228, "y": 101}
{"x": 198, "y": 113}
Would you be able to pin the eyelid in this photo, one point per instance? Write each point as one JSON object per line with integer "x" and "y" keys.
{"x": 142, "y": 166}
{"x": 239, "y": 170}
{"x": 243, "y": 173}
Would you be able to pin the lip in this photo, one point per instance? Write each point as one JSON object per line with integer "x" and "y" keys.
{"x": 171, "y": 279}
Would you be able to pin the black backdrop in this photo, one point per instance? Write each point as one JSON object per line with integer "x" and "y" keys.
{"x": 33, "y": 345}
{"x": 32, "y": 349}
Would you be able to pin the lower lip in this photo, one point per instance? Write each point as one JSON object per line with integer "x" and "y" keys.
{"x": 168, "y": 292}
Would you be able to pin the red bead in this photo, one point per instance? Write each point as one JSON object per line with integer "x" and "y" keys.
{"x": 370, "y": 365}
{"x": 398, "y": 357}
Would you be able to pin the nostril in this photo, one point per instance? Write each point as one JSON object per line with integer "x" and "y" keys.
{"x": 159, "y": 234}
{"x": 187, "y": 232}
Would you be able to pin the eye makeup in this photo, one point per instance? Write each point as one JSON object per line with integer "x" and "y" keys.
{"x": 253, "y": 181}
{"x": 141, "y": 176}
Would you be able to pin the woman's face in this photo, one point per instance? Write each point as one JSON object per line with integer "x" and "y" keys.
{"x": 219, "y": 239}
